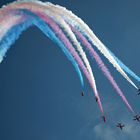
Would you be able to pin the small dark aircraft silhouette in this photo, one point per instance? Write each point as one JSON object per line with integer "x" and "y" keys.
{"x": 136, "y": 118}
{"x": 138, "y": 91}
{"x": 104, "y": 118}
{"x": 96, "y": 98}
{"x": 120, "y": 125}
{"x": 82, "y": 93}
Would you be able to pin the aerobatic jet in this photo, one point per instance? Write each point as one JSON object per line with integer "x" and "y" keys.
{"x": 120, "y": 125}
{"x": 96, "y": 98}
{"x": 136, "y": 118}
{"x": 104, "y": 118}
{"x": 138, "y": 91}
{"x": 82, "y": 94}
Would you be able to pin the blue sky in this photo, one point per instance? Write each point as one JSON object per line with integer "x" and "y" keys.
{"x": 40, "y": 91}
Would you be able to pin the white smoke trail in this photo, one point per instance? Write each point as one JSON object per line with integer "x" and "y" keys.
{"x": 72, "y": 37}
{"x": 48, "y": 10}
{"x": 83, "y": 27}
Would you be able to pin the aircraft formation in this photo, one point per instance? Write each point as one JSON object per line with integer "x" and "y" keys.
{"x": 72, "y": 35}
{"x": 119, "y": 124}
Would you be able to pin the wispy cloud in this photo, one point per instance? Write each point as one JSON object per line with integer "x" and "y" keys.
{"x": 104, "y": 133}
{"x": 94, "y": 128}
{"x": 109, "y": 132}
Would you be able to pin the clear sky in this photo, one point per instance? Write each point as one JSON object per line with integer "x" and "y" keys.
{"x": 40, "y": 92}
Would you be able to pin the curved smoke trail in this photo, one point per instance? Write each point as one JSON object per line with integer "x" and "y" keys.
{"x": 67, "y": 44}
{"x": 63, "y": 28}
{"x": 72, "y": 37}
{"x": 86, "y": 31}
{"x": 124, "y": 67}
{"x": 102, "y": 66}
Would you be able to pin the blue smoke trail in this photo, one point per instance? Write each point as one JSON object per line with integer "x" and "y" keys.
{"x": 13, "y": 34}
{"x": 124, "y": 67}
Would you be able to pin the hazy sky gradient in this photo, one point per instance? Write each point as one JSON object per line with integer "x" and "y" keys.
{"x": 40, "y": 91}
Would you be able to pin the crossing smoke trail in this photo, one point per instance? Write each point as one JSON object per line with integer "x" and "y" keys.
{"x": 61, "y": 26}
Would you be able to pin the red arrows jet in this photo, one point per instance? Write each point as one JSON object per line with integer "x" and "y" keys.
{"x": 120, "y": 125}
